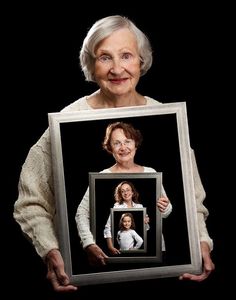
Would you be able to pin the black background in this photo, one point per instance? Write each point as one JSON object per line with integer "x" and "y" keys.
{"x": 41, "y": 74}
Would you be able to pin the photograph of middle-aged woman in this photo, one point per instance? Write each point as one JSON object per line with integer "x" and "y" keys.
{"x": 122, "y": 141}
{"x": 126, "y": 196}
{"x": 115, "y": 53}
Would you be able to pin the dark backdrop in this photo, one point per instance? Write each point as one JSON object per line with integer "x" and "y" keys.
{"x": 43, "y": 75}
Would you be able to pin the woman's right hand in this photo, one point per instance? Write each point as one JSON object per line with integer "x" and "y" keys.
{"x": 114, "y": 251}
{"x": 56, "y": 273}
{"x": 96, "y": 256}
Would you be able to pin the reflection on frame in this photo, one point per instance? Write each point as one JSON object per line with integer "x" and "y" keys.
{"x": 76, "y": 150}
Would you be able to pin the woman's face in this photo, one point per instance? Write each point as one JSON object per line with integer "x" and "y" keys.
{"x": 117, "y": 64}
{"x": 126, "y": 192}
{"x": 123, "y": 149}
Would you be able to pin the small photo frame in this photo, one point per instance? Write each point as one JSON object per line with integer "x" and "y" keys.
{"x": 138, "y": 216}
{"x": 103, "y": 211}
{"x": 76, "y": 139}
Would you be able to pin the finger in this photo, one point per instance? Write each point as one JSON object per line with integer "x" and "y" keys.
{"x": 161, "y": 207}
{"x": 103, "y": 261}
{"x": 104, "y": 255}
{"x": 164, "y": 201}
{"x": 52, "y": 277}
{"x": 192, "y": 277}
{"x": 61, "y": 276}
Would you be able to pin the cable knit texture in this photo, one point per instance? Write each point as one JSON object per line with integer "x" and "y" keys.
{"x": 34, "y": 209}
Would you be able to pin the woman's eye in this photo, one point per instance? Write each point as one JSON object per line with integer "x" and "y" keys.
{"x": 104, "y": 58}
{"x": 126, "y": 56}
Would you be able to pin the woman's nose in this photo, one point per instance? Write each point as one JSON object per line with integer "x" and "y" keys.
{"x": 117, "y": 66}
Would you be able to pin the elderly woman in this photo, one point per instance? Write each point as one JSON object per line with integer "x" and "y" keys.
{"x": 114, "y": 54}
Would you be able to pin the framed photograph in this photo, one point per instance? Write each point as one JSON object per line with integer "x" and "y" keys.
{"x": 76, "y": 143}
{"x": 121, "y": 239}
{"x": 146, "y": 220}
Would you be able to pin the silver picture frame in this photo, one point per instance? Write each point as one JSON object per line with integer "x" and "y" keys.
{"x": 76, "y": 150}
{"x": 148, "y": 185}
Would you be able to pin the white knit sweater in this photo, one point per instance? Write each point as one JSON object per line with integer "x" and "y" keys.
{"x": 34, "y": 209}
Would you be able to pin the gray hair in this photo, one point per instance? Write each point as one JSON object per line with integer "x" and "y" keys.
{"x": 102, "y": 29}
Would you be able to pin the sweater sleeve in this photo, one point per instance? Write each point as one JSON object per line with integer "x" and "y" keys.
{"x": 168, "y": 209}
{"x": 202, "y": 211}
{"x": 82, "y": 219}
{"x": 34, "y": 209}
{"x": 107, "y": 230}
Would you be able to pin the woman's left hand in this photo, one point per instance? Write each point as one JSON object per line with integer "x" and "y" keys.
{"x": 146, "y": 219}
{"x": 162, "y": 203}
{"x": 208, "y": 266}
